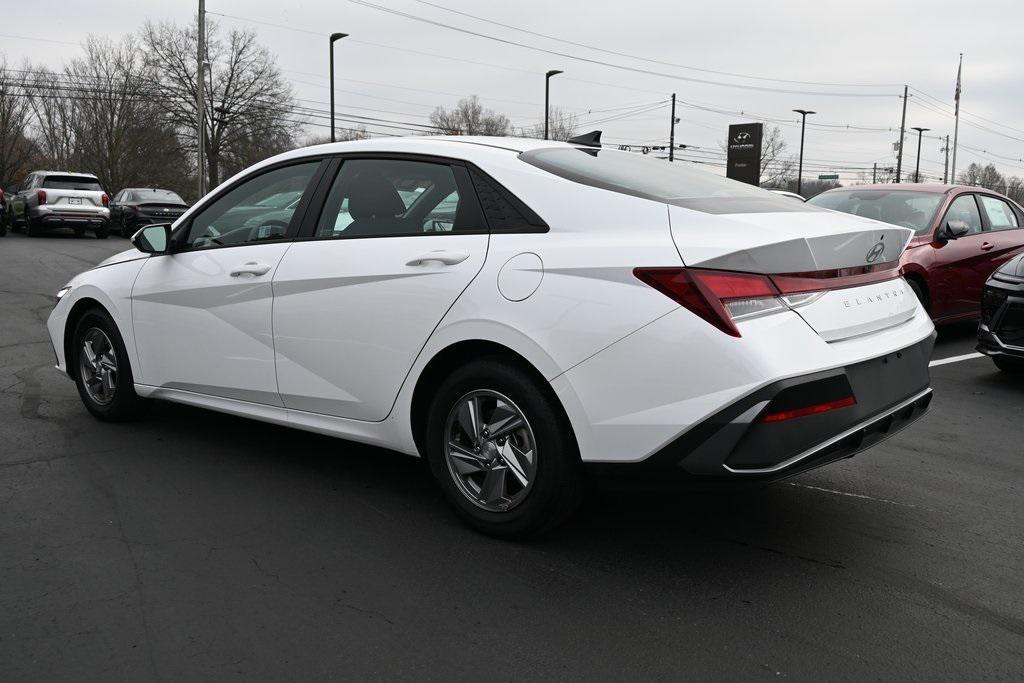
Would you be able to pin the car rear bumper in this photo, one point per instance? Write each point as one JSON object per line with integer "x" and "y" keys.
{"x": 52, "y": 217}
{"x": 890, "y": 392}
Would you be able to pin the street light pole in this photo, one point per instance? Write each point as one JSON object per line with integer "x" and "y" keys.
{"x": 917, "y": 169}
{"x": 334, "y": 38}
{"x": 200, "y": 96}
{"x": 672, "y": 131}
{"x": 547, "y": 88}
{"x": 800, "y": 169}
{"x": 903, "y": 124}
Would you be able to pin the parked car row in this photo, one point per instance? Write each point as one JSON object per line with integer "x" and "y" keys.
{"x": 48, "y": 200}
{"x": 963, "y": 260}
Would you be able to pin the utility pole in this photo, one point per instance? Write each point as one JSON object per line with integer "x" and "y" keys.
{"x": 201, "y": 96}
{"x": 800, "y": 170}
{"x": 672, "y": 131}
{"x": 334, "y": 37}
{"x": 547, "y": 89}
{"x": 917, "y": 169}
{"x": 903, "y": 128}
{"x": 945, "y": 167}
{"x": 874, "y": 173}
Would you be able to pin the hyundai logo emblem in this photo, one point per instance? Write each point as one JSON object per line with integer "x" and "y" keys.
{"x": 875, "y": 252}
{"x": 741, "y": 137}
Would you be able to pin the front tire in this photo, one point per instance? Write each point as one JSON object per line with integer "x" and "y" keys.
{"x": 502, "y": 450}
{"x": 99, "y": 365}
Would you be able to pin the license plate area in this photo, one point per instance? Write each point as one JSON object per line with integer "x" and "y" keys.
{"x": 74, "y": 200}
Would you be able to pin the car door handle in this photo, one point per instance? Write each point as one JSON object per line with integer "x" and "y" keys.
{"x": 250, "y": 268}
{"x": 985, "y": 246}
{"x": 449, "y": 258}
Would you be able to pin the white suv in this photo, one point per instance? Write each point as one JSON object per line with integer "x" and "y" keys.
{"x": 513, "y": 310}
{"x": 56, "y": 199}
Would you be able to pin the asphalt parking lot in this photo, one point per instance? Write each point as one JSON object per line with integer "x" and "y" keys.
{"x": 193, "y": 545}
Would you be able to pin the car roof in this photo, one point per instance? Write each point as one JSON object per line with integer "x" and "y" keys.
{"x": 931, "y": 188}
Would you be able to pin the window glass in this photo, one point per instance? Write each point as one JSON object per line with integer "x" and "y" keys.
{"x": 391, "y": 197}
{"x": 914, "y": 210}
{"x": 69, "y": 182}
{"x": 241, "y": 217}
{"x": 1000, "y": 215}
{"x": 965, "y": 209}
{"x": 673, "y": 183}
{"x": 156, "y": 196}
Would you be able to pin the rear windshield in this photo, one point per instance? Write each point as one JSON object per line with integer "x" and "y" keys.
{"x": 157, "y": 196}
{"x": 905, "y": 208}
{"x": 677, "y": 183}
{"x": 70, "y": 182}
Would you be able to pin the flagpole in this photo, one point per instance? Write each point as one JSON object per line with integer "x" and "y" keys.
{"x": 956, "y": 124}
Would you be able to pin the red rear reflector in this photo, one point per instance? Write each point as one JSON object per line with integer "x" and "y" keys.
{"x": 809, "y": 410}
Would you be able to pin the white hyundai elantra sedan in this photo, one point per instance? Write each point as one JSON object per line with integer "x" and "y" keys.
{"x": 512, "y": 310}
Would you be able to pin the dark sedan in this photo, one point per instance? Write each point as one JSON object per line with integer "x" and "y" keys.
{"x": 961, "y": 235}
{"x": 134, "y": 207}
{"x": 1001, "y": 333}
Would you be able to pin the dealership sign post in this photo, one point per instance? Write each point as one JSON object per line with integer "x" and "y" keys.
{"x": 744, "y": 153}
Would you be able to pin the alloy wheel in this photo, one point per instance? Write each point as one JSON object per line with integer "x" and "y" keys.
{"x": 490, "y": 450}
{"x": 97, "y": 363}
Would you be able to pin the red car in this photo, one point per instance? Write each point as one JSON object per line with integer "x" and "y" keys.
{"x": 961, "y": 235}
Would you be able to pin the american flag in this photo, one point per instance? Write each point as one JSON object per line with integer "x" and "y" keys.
{"x": 956, "y": 95}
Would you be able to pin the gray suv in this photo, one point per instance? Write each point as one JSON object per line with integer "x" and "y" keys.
{"x": 56, "y": 199}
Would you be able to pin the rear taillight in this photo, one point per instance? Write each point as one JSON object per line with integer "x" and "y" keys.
{"x": 717, "y": 296}
{"x": 1, "y": 196}
{"x": 722, "y": 297}
{"x": 105, "y": 199}
{"x": 41, "y": 196}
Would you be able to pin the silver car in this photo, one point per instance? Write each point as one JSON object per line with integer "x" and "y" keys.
{"x": 56, "y": 199}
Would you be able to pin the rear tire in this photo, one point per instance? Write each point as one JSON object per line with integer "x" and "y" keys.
{"x": 103, "y": 231}
{"x": 541, "y": 451}
{"x": 102, "y": 373}
{"x": 1013, "y": 366}
{"x": 32, "y": 226}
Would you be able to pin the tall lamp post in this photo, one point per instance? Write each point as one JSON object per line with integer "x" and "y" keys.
{"x": 335, "y": 37}
{"x": 547, "y": 89}
{"x": 800, "y": 168}
{"x": 917, "y": 168}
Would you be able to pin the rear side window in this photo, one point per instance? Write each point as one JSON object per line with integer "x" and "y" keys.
{"x": 1000, "y": 215}
{"x": 504, "y": 211}
{"x": 675, "y": 183}
{"x": 397, "y": 197}
{"x": 67, "y": 182}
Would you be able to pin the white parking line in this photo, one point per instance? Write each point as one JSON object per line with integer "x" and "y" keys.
{"x": 954, "y": 359}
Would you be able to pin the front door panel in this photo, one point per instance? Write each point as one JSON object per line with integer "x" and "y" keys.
{"x": 199, "y": 328}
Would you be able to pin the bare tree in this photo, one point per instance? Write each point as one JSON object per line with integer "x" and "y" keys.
{"x": 469, "y": 117}
{"x": 55, "y": 111}
{"x": 249, "y": 105}
{"x": 16, "y": 149}
{"x": 562, "y": 125}
{"x": 776, "y": 169}
{"x": 983, "y": 176}
{"x": 119, "y": 133}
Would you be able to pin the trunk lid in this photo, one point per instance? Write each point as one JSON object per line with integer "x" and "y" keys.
{"x": 73, "y": 200}
{"x": 828, "y": 252}
{"x": 161, "y": 209}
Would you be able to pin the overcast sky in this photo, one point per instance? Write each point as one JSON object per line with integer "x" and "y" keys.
{"x": 397, "y": 68}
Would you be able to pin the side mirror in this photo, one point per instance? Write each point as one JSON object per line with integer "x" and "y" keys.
{"x": 153, "y": 239}
{"x": 954, "y": 230}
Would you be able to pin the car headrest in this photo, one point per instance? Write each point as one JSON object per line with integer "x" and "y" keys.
{"x": 372, "y": 195}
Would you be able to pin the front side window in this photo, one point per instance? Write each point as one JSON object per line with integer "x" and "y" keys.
{"x": 905, "y": 208}
{"x": 965, "y": 210}
{"x": 656, "y": 179}
{"x": 393, "y": 197}
{"x": 240, "y": 216}
{"x": 1000, "y": 215}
